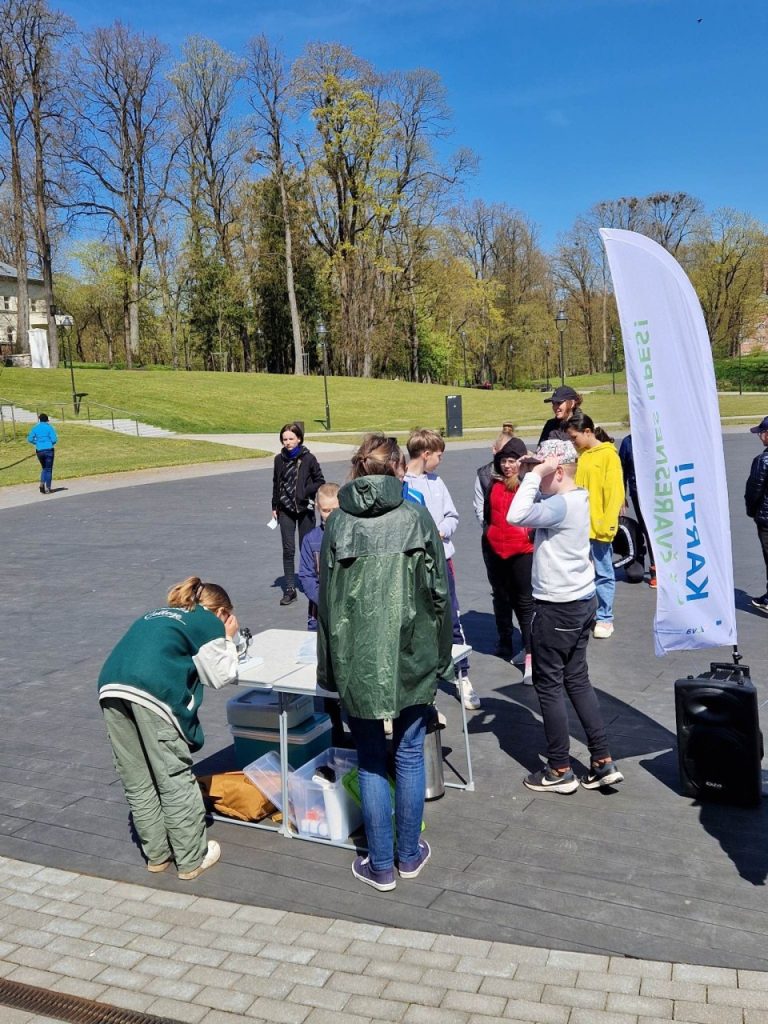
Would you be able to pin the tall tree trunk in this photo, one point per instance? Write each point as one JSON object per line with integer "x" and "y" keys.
{"x": 19, "y": 245}
{"x": 298, "y": 349}
{"x": 133, "y": 310}
{"x": 41, "y": 217}
{"x": 412, "y": 325}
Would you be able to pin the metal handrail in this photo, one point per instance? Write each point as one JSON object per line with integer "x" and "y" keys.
{"x": 65, "y": 415}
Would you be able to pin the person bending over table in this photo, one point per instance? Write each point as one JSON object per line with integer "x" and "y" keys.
{"x": 384, "y": 641}
{"x": 150, "y": 690}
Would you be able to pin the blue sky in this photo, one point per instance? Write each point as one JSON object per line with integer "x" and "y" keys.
{"x": 565, "y": 102}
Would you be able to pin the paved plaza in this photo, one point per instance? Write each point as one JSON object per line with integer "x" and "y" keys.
{"x": 631, "y": 906}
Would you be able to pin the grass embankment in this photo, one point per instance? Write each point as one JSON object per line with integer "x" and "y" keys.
{"x": 259, "y": 403}
{"x": 86, "y": 451}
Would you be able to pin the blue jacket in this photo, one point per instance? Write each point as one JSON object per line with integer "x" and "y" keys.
{"x": 42, "y": 436}
{"x": 309, "y": 572}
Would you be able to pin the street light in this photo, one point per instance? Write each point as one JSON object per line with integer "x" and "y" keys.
{"x": 741, "y": 390}
{"x": 321, "y": 333}
{"x": 67, "y": 322}
{"x": 613, "y": 362}
{"x": 511, "y": 366}
{"x": 546, "y": 362}
{"x": 561, "y": 322}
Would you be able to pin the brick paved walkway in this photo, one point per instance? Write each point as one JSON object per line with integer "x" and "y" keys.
{"x": 214, "y": 962}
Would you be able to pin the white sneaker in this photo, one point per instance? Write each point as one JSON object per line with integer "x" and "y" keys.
{"x": 467, "y": 695}
{"x": 528, "y": 672}
{"x": 211, "y": 857}
{"x": 519, "y": 658}
{"x": 603, "y": 630}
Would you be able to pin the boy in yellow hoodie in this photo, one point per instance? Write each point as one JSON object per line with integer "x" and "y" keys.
{"x": 599, "y": 472}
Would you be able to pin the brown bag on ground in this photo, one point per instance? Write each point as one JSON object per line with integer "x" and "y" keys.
{"x": 235, "y": 796}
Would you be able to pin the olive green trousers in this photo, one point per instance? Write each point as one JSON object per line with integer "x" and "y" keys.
{"x": 155, "y": 767}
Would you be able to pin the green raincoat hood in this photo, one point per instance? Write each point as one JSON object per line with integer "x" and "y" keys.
{"x": 371, "y": 495}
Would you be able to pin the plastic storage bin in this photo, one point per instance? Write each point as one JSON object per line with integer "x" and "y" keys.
{"x": 259, "y": 709}
{"x": 305, "y": 741}
{"x": 323, "y": 808}
{"x": 265, "y": 775}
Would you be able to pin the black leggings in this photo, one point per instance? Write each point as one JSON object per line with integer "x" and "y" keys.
{"x": 288, "y": 522}
{"x": 510, "y": 580}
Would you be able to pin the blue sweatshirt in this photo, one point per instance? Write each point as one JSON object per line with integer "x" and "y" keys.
{"x": 309, "y": 572}
{"x": 42, "y": 436}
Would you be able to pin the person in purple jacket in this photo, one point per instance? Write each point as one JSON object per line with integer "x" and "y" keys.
{"x": 327, "y": 499}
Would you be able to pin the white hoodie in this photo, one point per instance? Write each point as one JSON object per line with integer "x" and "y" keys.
{"x": 562, "y": 568}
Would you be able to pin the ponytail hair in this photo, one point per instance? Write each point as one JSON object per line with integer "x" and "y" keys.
{"x": 192, "y": 591}
{"x": 579, "y": 421}
{"x": 378, "y": 455}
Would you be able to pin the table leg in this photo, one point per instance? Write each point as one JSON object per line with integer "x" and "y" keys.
{"x": 285, "y": 828}
{"x": 470, "y": 783}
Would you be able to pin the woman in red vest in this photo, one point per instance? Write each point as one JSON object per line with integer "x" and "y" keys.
{"x": 509, "y": 551}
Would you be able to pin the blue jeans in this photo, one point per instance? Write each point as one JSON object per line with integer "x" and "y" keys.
{"x": 605, "y": 578}
{"x": 45, "y": 458}
{"x": 408, "y": 731}
{"x": 462, "y": 667}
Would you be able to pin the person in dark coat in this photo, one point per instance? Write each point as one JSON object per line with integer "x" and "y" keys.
{"x": 295, "y": 481}
{"x": 564, "y": 400}
{"x": 756, "y": 501}
{"x": 383, "y": 642}
{"x": 627, "y": 460}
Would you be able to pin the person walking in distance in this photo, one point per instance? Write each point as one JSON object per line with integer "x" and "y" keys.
{"x": 599, "y": 472}
{"x": 295, "y": 480}
{"x": 563, "y": 580}
{"x": 44, "y": 438}
{"x": 756, "y": 500}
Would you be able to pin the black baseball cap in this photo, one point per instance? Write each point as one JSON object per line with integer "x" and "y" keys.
{"x": 562, "y": 394}
{"x": 761, "y": 427}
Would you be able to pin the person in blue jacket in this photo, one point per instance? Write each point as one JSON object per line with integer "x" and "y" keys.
{"x": 44, "y": 437}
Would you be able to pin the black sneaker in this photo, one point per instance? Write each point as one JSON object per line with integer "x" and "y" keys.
{"x": 42, "y": 488}
{"x": 550, "y": 781}
{"x": 288, "y": 597}
{"x": 761, "y": 603}
{"x": 606, "y": 774}
{"x": 412, "y": 868}
{"x": 503, "y": 650}
{"x": 384, "y": 881}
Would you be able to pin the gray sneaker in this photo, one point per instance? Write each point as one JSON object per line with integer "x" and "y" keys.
{"x": 550, "y": 781}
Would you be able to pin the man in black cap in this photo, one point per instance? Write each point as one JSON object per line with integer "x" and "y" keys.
{"x": 564, "y": 400}
{"x": 756, "y": 500}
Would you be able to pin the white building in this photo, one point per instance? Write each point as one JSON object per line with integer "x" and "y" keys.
{"x": 9, "y": 304}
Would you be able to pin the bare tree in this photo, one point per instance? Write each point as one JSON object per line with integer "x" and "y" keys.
{"x": 13, "y": 120}
{"x": 40, "y": 38}
{"x": 121, "y": 106}
{"x": 271, "y": 90}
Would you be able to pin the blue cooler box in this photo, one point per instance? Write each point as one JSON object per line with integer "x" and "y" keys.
{"x": 305, "y": 741}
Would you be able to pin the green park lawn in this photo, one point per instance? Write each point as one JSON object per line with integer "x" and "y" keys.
{"x": 199, "y": 403}
{"x": 86, "y": 451}
{"x": 256, "y": 403}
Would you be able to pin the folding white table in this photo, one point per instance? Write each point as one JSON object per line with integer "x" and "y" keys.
{"x": 285, "y": 661}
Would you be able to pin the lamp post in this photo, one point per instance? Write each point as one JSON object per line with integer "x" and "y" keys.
{"x": 463, "y": 336}
{"x": 613, "y": 362}
{"x": 511, "y": 366}
{"x": 66, "y": 322}
{"x": 321, "y": 333}
{"x": 546, "y": 363}
{"x": 741, "y": 390}
{"x": 561, "y": 322}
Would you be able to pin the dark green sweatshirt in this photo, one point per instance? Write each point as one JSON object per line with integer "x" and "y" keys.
{"x": 164, "y": 660}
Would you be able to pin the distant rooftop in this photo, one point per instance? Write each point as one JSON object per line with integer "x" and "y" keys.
{"x": 6, "y": 270}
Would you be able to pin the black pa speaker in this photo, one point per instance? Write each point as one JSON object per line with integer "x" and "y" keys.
{"x": 454, "y": 422}
{"x": 719, "y": 743}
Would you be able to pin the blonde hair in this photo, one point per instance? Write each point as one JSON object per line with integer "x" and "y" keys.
{"x": 424, "y": 440}
{"x": 192, "y": 591}
{"x": 329, "y": 491}
{"x": 378, "y": 455}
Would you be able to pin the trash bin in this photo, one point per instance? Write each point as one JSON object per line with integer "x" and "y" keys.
{"x": 453, "y": 417}
{"x": 433, "y": 758}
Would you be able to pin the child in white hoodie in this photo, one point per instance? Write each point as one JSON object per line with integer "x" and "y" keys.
{"x": 563, "y": 583}
{"x": 422, "y": 485}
